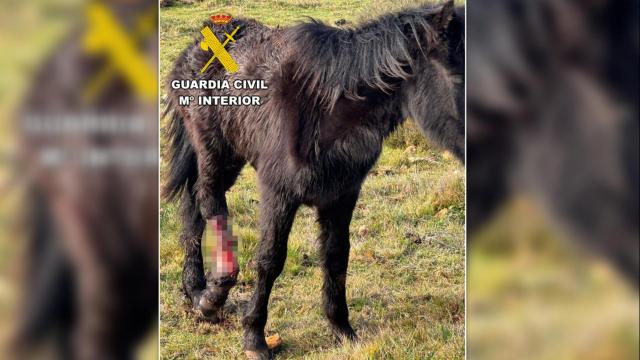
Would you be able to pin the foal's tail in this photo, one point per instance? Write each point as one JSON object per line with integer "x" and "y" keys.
{"x": 183, "y": 168}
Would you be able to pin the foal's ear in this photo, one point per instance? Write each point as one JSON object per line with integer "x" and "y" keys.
{"x": 440, "y": 21}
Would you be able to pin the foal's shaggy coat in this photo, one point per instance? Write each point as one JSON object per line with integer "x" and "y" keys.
{"x": 334, "y": 95}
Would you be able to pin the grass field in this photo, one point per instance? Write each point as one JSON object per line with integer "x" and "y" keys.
{"x": 406, "y": 274}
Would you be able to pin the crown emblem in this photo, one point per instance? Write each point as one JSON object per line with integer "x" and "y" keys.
{"x": 220, "y": 19}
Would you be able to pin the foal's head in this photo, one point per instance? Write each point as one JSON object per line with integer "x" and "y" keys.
{"x": 413, "y": 58}
{"x": 433, "y": 94}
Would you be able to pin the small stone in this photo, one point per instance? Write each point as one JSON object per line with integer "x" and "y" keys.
{"x": 273, "y": 341}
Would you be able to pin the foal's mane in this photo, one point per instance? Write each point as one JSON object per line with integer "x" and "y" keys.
{"x": 330, "y": 62}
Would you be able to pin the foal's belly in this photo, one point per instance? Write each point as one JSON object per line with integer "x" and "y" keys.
{"x": 338, "y": 171}
{"x": 335, "y": 170}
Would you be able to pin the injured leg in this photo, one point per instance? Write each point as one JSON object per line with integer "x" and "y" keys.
{"x": 221, "y": 262}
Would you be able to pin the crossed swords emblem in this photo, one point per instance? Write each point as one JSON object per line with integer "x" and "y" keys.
{"x": 212, "y": 43}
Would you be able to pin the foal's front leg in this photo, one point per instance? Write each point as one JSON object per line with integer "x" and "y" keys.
{"x": 334, "y": 219}
{"x": 276, "y": 217}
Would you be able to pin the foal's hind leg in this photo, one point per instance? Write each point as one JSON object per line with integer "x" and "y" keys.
{"x": 193, "y": 225}
{"x": 218, "y": 285}
{"x": 334, "y": 222}
{"x": 209, "y": 294}
{"x": 218, "y": 168}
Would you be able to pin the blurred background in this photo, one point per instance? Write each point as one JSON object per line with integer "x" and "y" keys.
{"x": 552, "y": 185}
{"x": 552, "y": 174}
{"x": 78, "y": 179}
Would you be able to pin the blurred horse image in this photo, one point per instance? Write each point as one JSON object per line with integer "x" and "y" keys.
{"x": 88, "y": 154}
{"x": 553, "y": 111}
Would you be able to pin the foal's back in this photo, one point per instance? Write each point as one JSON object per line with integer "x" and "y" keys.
{"x": 282, "y": 135}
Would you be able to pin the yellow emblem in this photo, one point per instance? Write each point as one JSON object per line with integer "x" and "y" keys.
{"x": 212, "y": 43}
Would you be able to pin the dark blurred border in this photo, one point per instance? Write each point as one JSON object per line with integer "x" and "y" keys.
{"x": 552, "y": 169}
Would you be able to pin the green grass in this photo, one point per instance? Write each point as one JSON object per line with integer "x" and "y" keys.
{"x": 406, "y": 271}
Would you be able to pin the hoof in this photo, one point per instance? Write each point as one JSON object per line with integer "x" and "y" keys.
{"x": 209, "y": 302}
{"x": 257, "y": 354}
{"x": 204, "y": 307}
{"x": 345, "y": 335}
